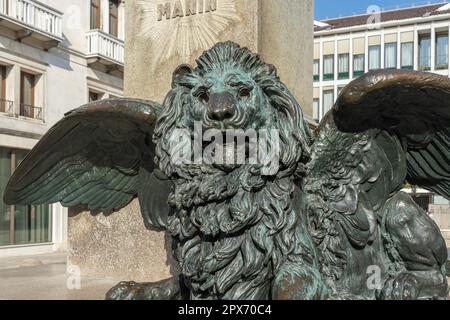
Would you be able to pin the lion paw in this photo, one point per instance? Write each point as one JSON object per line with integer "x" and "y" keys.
{"x": 404, "y": 286}
{"x": 124, "y": 291}
{"x": 164, "y": 290}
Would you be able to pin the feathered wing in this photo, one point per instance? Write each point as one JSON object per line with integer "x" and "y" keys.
{"x": 415, "y": 106}
{"x": 99, "y": 155}
{"x": 386, "y": 127}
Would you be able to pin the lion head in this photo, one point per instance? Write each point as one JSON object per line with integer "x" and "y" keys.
{"x": 231, "y": 88}
{"x": 231, "y": 204}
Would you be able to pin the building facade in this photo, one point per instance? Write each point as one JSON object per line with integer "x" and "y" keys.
{"x": 346, "y": 48}
{"x": 55, "y": 55}
{"x": 415, "y": 38}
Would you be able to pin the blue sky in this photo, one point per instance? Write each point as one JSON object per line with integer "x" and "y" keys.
{"x": 334, "y": 8}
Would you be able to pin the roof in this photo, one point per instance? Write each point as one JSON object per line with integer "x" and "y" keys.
{"x": 385, "y": 16}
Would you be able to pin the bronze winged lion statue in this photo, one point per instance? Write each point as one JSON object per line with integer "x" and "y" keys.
{"x": 329, "y": 213}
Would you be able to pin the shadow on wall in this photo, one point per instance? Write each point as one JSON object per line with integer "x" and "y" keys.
{"x": 168, "y": 242}
{"x": 76, "y": 210}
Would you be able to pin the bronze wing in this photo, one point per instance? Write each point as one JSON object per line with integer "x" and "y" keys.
{"x": 99, "y": 155}
{"x": 386, "y": 127}
{"x": 412, "y": 105}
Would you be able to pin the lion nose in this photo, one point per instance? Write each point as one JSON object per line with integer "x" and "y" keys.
{"x": 221, "y": 106}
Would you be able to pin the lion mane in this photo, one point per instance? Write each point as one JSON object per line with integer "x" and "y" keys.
{"x": 230, "y": 238}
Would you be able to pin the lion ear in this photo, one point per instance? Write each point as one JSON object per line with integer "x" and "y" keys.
{"x": 179, "y": 75}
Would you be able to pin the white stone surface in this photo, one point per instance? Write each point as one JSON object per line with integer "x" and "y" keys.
{"x": 64, "y": 79}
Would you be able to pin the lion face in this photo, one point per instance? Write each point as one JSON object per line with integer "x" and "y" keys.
{"x": 228, "y": 99}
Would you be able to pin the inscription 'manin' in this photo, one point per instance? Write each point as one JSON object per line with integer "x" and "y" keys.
{"x": 191, "y": 7}
{"x": 180, "y": 28}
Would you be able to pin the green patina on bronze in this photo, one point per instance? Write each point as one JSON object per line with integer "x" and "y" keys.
{"x": 330, "y": 223}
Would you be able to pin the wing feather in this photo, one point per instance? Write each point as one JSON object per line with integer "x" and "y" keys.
{"x": 93, "y": 157}
{"x": 412, "y": 105}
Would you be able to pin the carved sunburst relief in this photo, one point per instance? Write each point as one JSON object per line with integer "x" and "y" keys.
{"x": 182, "y": 27}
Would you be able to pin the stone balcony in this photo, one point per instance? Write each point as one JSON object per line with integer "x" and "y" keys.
{"x": 105, "y": 51}
{"x": 32, "y": 22}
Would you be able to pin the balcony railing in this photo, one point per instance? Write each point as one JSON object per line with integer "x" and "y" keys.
{"x": 34, "y": 14}
{"x": 26, "y": 111}
{"x": 32, "y": 112}
{"x": 105, "y": 46}
{"x": 7, "y": 107}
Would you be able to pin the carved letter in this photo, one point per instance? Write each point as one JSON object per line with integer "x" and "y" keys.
{"x": 74, "y": 280}
{"x": 210, "y": 5}
{"x": 269, "y": 152}
{"x": 177, "y": 10}
{"x": 214, "y": 152}
{"x": 180, "y": 147}
{"x": 198, "y": 143}
{"x": 374, "y": 279}
{"x": 252, "y": 137}
{"x": 163, "y": 10}
{"x": 374, "y": 20}
{"x": 191, "y": 7}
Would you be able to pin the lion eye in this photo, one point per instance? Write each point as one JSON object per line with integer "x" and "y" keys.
{"x": 245, "y": 93}
{"x": 203, "y": 96}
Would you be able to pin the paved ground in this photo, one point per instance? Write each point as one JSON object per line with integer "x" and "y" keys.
{"x": 44, "y": 277}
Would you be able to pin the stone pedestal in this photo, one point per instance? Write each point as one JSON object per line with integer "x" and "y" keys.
{"x": 117, "y": 246}
{"x": 160, "y": 35}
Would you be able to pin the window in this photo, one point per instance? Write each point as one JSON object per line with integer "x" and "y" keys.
{"x": 358, "y": 65}
{"x": 440, "y": 200}
{"x": 316, "y": 70}
{"x": 328, "y": 67}
{"x": 95, "y": 14}
{"x": 408, "y": 55}
{"x": 328, "y": 100}
{"x": 5, "y": 211}
{"x": 4, "y": 105}
{"x": 343, "y": 66}
{"x": 93, "y": 96}
{"x": 20, "y": 224}
{"x": 316, "y": 104}
{"x": 114, "y": 17}
{"x": 374, "y": 57}
{"x": 27, "y": 96}
{"x": 425, "y": 53}
{"x": 441, "y": 51}
{"x": 390, "y": 55}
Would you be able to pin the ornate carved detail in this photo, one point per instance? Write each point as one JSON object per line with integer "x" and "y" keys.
{"x": 182, "y": 27}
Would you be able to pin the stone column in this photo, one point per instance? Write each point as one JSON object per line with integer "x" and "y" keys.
{"x": 104, "y": 7}
{"x": 121, "y": 34}
{"x": 286, "y": 36}
{"x": 159, "y": 36}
